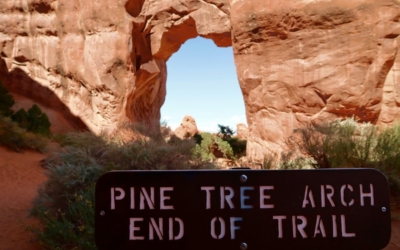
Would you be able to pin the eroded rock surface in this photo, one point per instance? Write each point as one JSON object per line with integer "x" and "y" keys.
{"x": 298, "y": 61}
{"x": 314, "y": 61}
{"x": 187, "y": 129}
{"x": 242, "y": 131}
{"x": 105, "y": 60}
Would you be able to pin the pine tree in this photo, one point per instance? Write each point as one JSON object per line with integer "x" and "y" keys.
{"x": 22, "y": 118}
{"x": 6, "y": 101}
{"x": 39, "y": 122}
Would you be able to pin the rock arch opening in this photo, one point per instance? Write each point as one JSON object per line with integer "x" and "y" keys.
{"x": 202, "y": 82}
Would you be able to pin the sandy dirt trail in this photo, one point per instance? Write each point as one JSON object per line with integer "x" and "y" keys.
{"x": 20, "y": 177}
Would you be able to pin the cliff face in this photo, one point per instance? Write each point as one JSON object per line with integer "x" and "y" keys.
{"x": 76, "y": 49}
{"x": 313, "y": 61}
{"x": 297, "y": 61}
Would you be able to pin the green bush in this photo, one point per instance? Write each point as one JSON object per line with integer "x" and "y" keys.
{"x": 225, "y": 132}
{"x": 211, "y": 145}
{"x": 65, "y": 204}
{"x": 338, "y": 144}
{"x": 16, "y": 138}
{"x": 238, "y": 146}
{"x": 6, "y": 101}
{"x": 34, "y": 120}
{"x": 38, "y": 121}
{"x": 346, "y": 144}
{"x": 22, "y": 118}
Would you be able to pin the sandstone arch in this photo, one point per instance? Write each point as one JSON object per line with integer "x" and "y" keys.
{"x": 159, "y": 31}
{"x": 297, "y": 61}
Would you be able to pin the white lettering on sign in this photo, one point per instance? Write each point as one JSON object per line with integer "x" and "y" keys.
{"x": 118, "y": 198}
{"x": 163, "y": 198}
{"x": 369, "y": 195}
{"x": 334, "y": 227}
{"x": 328, "y": 195}
{"x": 222, "y": 228}
{"x": 244, "y": 197}
{"x": 264, "y": 197}
{"x": 308, "y": 198}
{"x": 132, "y": 198}
{"x": 146, "y": 197}
{"x": 279, "y": 218}
{"x": 344, "y": 233}
{"x": 208, "y": 195}
{"x": 344, "y": 203}
{"x": 173, "y": 228}
{"x": 153, "y": 226}
{"x": 227, "y": 194}
{"x": 156, "y": 228}
{"x": 234, "y": 227}
{"x": 319, "y": 227}
{"x": 299, "y": 227}
{"x": 227, "y": 198}
{"x": 346, "y": 198}
{"x": 133, "y": 229}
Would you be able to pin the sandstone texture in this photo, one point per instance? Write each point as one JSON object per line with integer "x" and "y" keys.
{"x": 101, "y": 61}
{"x": 242, "y": 131}
{"x": 298, "y": 61}
{"x": 314, "y": 61}
{"x": 187, "y": 129}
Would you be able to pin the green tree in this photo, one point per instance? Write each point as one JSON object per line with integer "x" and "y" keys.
{"x": 6, "y": 101}
{"x": 22, "y": 118}
{"x": 225, "y": 131}
{"x": 39, "y": 122}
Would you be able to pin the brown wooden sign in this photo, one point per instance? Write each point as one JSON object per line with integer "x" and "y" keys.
{"x": 243, "y": 209}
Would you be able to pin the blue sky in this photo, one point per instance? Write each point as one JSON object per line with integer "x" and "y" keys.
{"x": 202, "y": 82}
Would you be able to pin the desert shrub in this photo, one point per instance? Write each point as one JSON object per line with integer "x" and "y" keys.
{"x": 203, "y": 146}
{"x": 289, "y": 160}
{"x": 338, "y": 144}
{"x": 351, "y": 145}
{"x": 6, "y": 101}
{"x": 71, "y": 227}
{"x": 211, "y": 146}
{"x": 16, "y": 138}
{"x": 22, "y": 118}
{"x": 65, "y": 204}
{"x": 34, "y": 120}
{"x": 387, "y": 156}
{"x": 38, "y": 121}
{"x": 238, "y": 146}
{"x": 387, "y": 149}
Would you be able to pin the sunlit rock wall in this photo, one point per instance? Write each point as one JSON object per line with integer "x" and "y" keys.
{"x": 314, "y": 61}
{"x": 298, "y": 61}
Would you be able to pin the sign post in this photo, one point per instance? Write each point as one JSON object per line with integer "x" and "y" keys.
{"x": 243, "y": 209}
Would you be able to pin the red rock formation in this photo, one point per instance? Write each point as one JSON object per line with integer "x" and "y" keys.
{"x": 187, "y": 128}
{"x": 242, "y": 132}
{"x": 301, "y": 61}
{"x": 297, "y": 60}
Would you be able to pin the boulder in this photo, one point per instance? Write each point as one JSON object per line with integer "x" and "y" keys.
{"x": 187, "y": 128}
